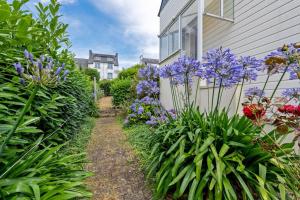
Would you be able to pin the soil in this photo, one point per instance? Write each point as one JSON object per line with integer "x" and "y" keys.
{"x": 117, "y": 175}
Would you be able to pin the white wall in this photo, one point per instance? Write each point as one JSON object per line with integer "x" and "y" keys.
{"x": 103, "y": 71}
{"x": 260, "y": 26}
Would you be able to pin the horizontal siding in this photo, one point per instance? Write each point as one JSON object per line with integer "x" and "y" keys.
{"x": 172, "y": 8}
{"x": 260, "y": 26}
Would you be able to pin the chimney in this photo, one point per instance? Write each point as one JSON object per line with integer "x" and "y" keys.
{"x": 90, "y": 54}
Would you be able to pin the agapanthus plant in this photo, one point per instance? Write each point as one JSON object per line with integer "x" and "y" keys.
{"x": 39, "y": 72}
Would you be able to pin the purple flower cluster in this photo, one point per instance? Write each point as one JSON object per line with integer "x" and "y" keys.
{"x": 163, "y": 117}
{"x": 251, "y": 67}
{"x": 40, "y": 71}
{"x": 149, "y": 73}
{"x": 222, "y": 66}
{"x": 285, "y": 58}
{"x": 181, "y": 71}
{"x": 254, "y": 92}
{"x": 291, "y": 93}
{"x": 147, "y": 87}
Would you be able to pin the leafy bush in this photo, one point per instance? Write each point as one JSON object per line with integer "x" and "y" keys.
{"x": 92, "y": 73}
{"x": 120, "y": 91}
{"x": 213, "y": 156}
{"x": 130, "y": 73}
{"x": 105, "y": 85}
{"x": 29, "y": 161}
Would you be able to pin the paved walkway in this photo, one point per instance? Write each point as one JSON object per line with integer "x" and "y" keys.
{"x": 117, "y": 174}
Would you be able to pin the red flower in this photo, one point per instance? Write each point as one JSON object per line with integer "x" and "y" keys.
{"x": 254, "y": 111}
{"x": 297, "y": 110}
{"x": 290, "y": 109}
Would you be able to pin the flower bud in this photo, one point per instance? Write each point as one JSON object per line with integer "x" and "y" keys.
{"x": 26, "y": 54}
{"x": 58, "y": 71}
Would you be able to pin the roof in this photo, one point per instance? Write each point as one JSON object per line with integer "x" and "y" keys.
{"x": 162, "y": 5}
{"x": 150, "y": 61}
{"x": 147, "y": 61}
{"x": 81, "y": 62}
{"x": 103, "y": 58}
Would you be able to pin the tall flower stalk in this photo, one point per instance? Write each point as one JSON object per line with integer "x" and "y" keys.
{"x": 38, "y": 72}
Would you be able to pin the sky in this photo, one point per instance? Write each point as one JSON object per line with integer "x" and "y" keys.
{"x": 127, "y": 27}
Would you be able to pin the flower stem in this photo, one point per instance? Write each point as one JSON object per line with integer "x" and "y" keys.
{"x": 197, "y": 88}
{"x": 240, "y": 96}
{"x": 231, "y": 100}
{"x": 265, "y": 85}
{"x": 213, "y": 94}
{"x": 219, "y": 95}
{"x": 20, "y": 118}
{"x": 274, "y": 91}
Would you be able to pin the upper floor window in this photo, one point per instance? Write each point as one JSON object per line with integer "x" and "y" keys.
{"x": 220, "y": 8}
{"x": 190, "y": 31}
{"x": 109, "y": 76}
{"x": 110, "y": 66}
{"x": 97, "y": 65}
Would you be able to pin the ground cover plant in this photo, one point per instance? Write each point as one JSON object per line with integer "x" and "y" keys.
{"x": 215, "y": 155}
{"x": 43, "y": 99}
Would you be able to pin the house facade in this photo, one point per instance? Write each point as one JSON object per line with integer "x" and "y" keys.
{"x": 247, "y": 27}
{"x": 107, "y": 65}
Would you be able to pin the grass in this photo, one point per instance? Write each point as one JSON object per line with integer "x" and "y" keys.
{"x": 79, "y": 142}
{"x": 139, "y": 138}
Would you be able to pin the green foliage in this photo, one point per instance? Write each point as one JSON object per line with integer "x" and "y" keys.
{"x": 139, "y": 137}
{"x": 31, "y": 167}
{"x": 92, "y": 73}
{"x": 105, "y": 85}
{"x": 120, "y": 91}
{"x": 213, "y": 156}
{"x": 130, "y": 73}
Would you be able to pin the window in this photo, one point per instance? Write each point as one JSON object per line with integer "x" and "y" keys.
{"x": 169, "y": 42}
{"x": 189, "y": 31}
{"x": 220, "y": 8}
{"x": 109, "y": 76}
{"x": 97, "y": 65}
{"x": 110, "y": 66}
{"x": 163, "y": 46}
{"x": 173, "y": 35}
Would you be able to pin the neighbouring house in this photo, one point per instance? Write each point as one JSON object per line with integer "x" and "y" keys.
{"x": 148, "y": 61}
{"x": 248, "y": 27}
{"x": 107, "y": 65}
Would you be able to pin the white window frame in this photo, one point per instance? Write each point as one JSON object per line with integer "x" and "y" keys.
{"x": 201, "y": 13}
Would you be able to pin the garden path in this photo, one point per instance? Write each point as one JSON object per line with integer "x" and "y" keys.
{"x": 117, "y": 175}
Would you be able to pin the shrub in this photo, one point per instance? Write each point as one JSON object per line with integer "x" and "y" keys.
{"x": 92, "y": 73}
{"x": 30, "y": 165}
{"x": 105, "y": 85}
{"x": 120, "y": 91}
{"x": 130, "y": 73}
{"x": 213, "y": 156}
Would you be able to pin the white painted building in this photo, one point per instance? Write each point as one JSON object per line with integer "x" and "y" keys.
{"x": 107, "y": 65}
{"x": 248, "y": 27}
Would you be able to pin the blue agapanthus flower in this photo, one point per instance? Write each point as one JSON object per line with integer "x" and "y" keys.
{"x": 222, "y": 66}
{"x": 254, "y": 92}
{"x": 251, "y": 67}
{"x": 182, "y": 71}
{"x": 291, "y": 93}
{"x": 149, "y": 73}
{"x": 148, "y": 88}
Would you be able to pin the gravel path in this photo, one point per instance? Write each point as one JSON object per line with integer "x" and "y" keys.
{"x": 117, "y": 173}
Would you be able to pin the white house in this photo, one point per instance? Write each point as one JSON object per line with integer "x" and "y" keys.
{"x": 107, "y": 65}
{"x": 248, "y": 27}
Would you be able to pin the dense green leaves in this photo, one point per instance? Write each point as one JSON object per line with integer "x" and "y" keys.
{"x": 32, "y": 165}
{"x": 213, "y": 156}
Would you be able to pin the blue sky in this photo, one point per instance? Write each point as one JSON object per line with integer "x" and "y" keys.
{"x": 128, "y": 27}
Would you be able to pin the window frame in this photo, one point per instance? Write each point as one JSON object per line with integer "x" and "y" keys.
{"x": 178, "y": 18}
{"x": 108, "y": 77}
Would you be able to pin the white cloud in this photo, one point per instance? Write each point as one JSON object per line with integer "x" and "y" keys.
{"x": 139, "y": 19}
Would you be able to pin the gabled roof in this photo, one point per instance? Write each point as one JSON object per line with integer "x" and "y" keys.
{"x": 103, "y": 58}
{"x": 162, "y": 5}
